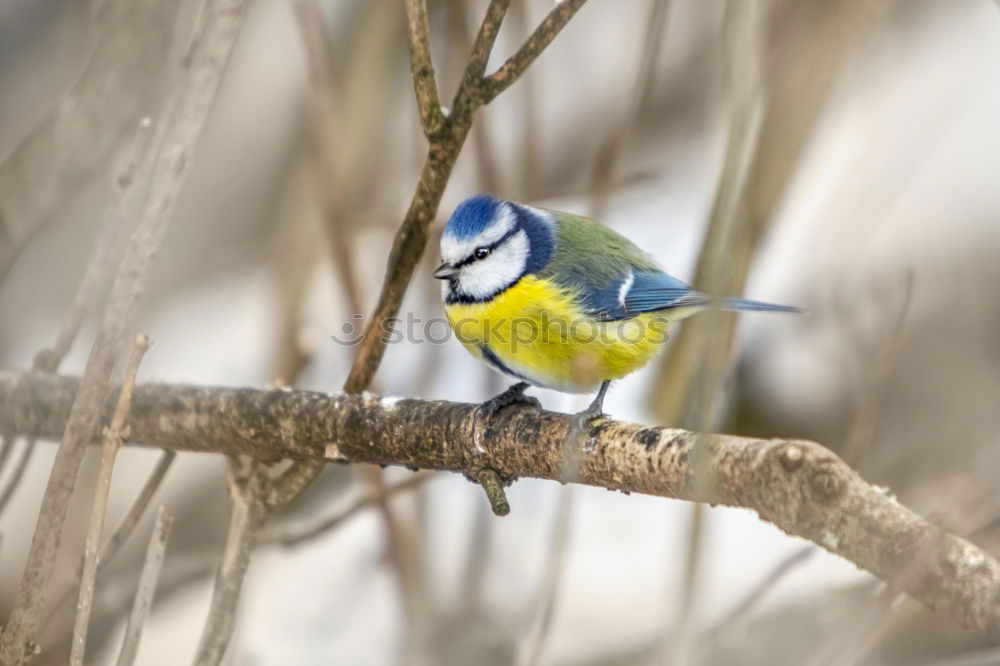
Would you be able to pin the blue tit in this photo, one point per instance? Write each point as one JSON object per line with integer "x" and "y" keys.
{"x": 557, "y": 300}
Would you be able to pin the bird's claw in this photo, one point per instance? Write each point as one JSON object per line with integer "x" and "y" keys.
{"x": 582, "y": 419}
{"x": 512, "y": 396}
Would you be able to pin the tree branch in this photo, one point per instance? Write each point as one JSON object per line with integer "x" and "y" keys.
{"x": 481, "y": 49}
{"x": 799, "y": 486}
{"x": 503, "y": 78}
{"x": 422, "y": 67}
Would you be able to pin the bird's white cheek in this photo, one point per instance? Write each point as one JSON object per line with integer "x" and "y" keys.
{"x": 483, "y": 279}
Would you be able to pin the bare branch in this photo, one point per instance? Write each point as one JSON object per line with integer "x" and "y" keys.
{"x": 552, "y": 577}
{"x": 422, "y": 67}
{"x": 107, "y": 248}
{"x": 800, "y": 486}
{"x": 147, "y": 588}
{"x": 79, "y": 138}
{"x": 785, "y": 566}
{"x": 113, "y": 436}
{"x": 18, "y": 474}
{"x": 127, "y": 526}
{"x": 543, "y": 35}
{"x": 188, "y": 104}
{"x": 247, "y": 487}
{"x": 603, "y": 175}
{"x": 297, "y": 536}
{"x": 481, "y": 49}
{"x": 134, "y": 515}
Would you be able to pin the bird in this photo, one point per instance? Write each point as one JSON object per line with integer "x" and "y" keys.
{"x": 559, "y": 301}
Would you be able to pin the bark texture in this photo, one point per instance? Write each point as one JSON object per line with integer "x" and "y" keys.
{"x": 799, "y": 486}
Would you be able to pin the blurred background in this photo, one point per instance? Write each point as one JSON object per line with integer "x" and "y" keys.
{"x": 840, "y": 155}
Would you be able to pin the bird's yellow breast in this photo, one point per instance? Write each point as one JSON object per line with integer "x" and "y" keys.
{"x": 537, "y": 330}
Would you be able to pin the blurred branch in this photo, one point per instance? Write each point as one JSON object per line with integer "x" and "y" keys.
{"x": 187, "y": 106}
{"x": 552, "y": 576}
{"x": 773, "y": 577}
{"x": 878, "y": 368}
{"x": 77, "y": 139}
{"x": 603, "y": 176}
{"x": 125, "y": 529}
{"x": 19, "y": 468}
{"x": 248, "y": 484}
{"x": 800, "y": 486}
{"x": 779, "y": 77}
{"x": 296, "y": 536}
{"x": 692, "y": 373}
{"x": 113, "y": 436}
{"x": 135, "y": 513}
{"x": 147, "y": 587}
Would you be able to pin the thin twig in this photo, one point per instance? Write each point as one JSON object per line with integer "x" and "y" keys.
{"x": 297, "y": 536}
{"x": 551, "y": 578}
{"x": 187, "y": 108}
{"x": 247, "y": 485}
{"x": 138, "y": 508}
{"x": 481, "y": 49}
{"x": 543, "y": 35}
{"x": 602, "y": 178}
{"x": 531, "y": 136}
{"x": 878, "y": 368}
{"x": 147, "y": 588}
{"x": 125, "y": 529}
{"x": 113, "y": 436}
{"x": 91, "y": 123}
{"x": 334, "y": 166}
{"x": 18, "y": 473}
{"x": 422, "y": 67}
{"x": 7, "y": 443}
{"x": 107, "y": 248}
{"x": 753, "y": 597}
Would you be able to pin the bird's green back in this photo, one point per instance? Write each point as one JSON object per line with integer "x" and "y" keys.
{"x": 587, "y": 251}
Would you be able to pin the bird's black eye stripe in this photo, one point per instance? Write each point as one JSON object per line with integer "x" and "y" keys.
{"x": 488, "y": 249}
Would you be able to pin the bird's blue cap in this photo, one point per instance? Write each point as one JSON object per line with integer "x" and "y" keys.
{"x": 472, "y": 216}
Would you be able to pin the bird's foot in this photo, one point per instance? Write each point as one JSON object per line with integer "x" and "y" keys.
{"x": 513, "y": 395}
{"x": 594, "y": 411}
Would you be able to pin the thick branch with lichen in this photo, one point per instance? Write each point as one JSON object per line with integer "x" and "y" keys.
{"x": 799, "y": 486}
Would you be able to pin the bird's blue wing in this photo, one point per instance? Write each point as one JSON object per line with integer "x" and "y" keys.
{"x": 637, "y": 291}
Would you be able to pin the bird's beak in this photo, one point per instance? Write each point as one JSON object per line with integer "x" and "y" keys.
{"x": 445, "y": 272}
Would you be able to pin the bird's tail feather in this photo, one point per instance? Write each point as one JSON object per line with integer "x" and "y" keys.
{"x": 757, "y": 306}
